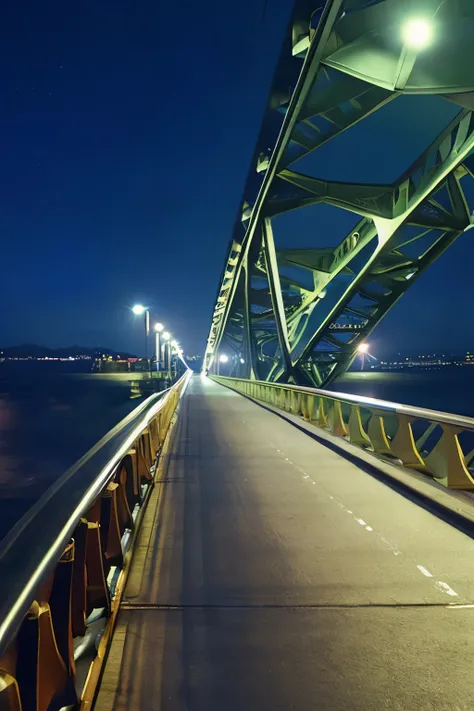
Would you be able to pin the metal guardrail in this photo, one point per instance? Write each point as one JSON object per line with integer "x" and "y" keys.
{"x": 436, "y": 443}
{"x": 64, "y": 564}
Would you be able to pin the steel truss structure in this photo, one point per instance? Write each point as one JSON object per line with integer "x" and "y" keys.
{"x": 341, "y": 61}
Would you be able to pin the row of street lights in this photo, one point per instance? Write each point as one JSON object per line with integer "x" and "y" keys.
{"x": 165, "y": 349}
{"x": 362, "y": 349}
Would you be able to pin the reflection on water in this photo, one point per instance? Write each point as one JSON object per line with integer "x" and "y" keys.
{"x": 47, "y": 421}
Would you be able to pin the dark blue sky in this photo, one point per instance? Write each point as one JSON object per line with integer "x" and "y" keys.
{"x": 126, "y": 131}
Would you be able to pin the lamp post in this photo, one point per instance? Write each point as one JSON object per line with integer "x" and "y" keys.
{"x": 166, "y": 348}
{"x": 363, "y": 349}
{"x": 173, "y": 362}
{"x": 158, "y": 330}
{"x": 139, "y": 310}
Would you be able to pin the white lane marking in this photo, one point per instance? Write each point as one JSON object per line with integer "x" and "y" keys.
{"x": 391, "y": 546}
{"x": 444, "y": 587}
{"x": 456, "y": 606}
{"x": 439, "y": 584}
{"x": 423, "y": 570}
{"x": 393, "y": 549}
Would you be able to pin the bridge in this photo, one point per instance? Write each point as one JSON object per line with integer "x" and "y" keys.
{"x": 249, "y": 538}
{"x": 298, "y": 313}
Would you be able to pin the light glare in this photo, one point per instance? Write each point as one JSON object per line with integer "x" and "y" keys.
{"x": 223, "y": 358}
{"x": 417, "y": 33}
{"x": 138, "y": 309}
{"x": 363, "y": 348}
{"x": 167, "y": 336}
{"x": 159, "y": 327}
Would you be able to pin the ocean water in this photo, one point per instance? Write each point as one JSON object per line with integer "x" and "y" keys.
{"x": 50, "y": 416}
{"x": 447, "y": 389}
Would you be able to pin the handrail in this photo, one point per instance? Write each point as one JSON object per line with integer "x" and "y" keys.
{"x": 419, "y": 438}
{"x": 467, "y": 423}
{"x": 84, "y": 519}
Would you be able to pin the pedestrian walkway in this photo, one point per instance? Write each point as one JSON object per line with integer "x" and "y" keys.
{"x": 272, "y": 573}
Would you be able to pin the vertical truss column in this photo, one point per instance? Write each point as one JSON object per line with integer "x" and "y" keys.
{"x": 251, "y": 353}
{"x": 271, "y": 264}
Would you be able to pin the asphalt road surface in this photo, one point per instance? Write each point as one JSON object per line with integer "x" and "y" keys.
{"x": 271, "y": 573}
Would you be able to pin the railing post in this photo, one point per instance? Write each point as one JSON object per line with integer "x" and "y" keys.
{"x": 282, "y": 399}
{"x": 9, "y": 692}
{"x": 446, "y": 461}
{"x": 357, "y": 434}
{"x": 336, "y": 424}
{"x": 308, "y": 407}
{"x": 377, "y": 435}
{"x": 293, "y": 402}
{"x": 297, "y": 407}
{"x": 403, "y": 444}
{"x": 322, "y": 419}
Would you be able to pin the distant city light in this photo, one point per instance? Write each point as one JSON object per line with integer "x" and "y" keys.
{"x": 138, "y": 309}
{"x": 417, "y": 33}
{"x": 223, "y": 358}
{"x": 363, "y": 347}
{"x": 159, "y": 327}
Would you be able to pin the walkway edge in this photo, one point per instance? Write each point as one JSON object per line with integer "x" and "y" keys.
{"x": 454, "y": 507}
{"x": 107, "y": 684}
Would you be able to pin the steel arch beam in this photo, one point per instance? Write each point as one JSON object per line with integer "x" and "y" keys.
{"x": 341, "y": 61}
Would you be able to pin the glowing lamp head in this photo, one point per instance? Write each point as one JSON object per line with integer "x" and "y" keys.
{"x": 175, "y": 344}
{"x": 242, "y": 361}
{"x": 167, "y": 336}
{"x": 159, "y": 327}
{"x": 223, "y": 358}
{"x": 138, "y": 309}
{"x": 363, "y": 348}
{"x": 417, "y": 33}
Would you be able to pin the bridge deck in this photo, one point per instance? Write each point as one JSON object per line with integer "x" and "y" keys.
{"x": 271, "y": 573}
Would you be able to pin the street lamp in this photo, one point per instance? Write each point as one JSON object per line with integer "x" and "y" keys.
{"x": 139, "y": 310}
{"x": 158, "y": 329}
{"x": 417, "y": 33}
{"x": 166, "y": 350}
{"x": 363, "y": 349}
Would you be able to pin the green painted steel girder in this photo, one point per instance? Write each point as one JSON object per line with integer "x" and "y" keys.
{"x": 298, "y": 314}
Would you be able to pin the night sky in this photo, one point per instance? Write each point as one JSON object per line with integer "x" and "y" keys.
{"x": 126, "y": 135}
